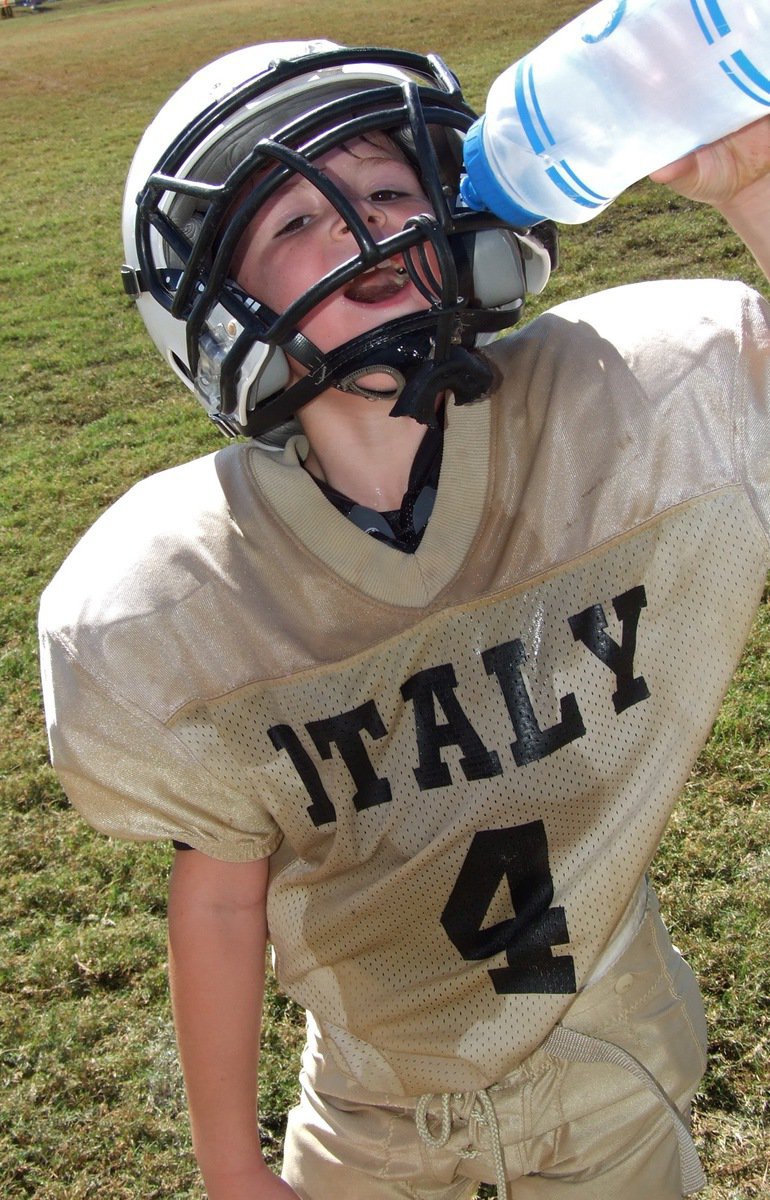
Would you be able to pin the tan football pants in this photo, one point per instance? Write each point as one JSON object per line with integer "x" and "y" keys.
{"x": 596, "y": 1117}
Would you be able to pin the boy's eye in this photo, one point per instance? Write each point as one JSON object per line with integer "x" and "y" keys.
{"x": 386, "y": 195}
{"x": 293, "y": 226}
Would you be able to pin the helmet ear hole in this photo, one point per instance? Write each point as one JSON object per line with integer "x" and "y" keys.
{"x": 190, "y": 229}
{"x": 180, "y": 367}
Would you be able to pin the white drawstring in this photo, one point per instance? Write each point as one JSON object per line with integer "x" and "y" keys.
{"x": 483, "y": 1110}
{"x": 570, "y": 1046}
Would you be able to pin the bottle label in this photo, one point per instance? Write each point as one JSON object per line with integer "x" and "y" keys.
{"x": 535, "y": 126}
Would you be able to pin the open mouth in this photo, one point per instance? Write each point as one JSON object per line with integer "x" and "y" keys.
{"x": 377, "y": 284}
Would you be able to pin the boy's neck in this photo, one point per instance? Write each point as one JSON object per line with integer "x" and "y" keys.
{"x": 361, "y": 451}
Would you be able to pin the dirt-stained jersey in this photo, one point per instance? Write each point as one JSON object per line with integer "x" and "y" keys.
{"x": 462, "y": 760}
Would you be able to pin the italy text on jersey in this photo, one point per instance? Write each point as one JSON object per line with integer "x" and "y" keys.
{"x": 517, "y": 855}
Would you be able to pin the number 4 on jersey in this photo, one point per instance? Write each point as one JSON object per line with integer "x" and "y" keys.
{"x": 519, "y": 856}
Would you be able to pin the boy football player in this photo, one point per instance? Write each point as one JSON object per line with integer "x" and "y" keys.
{"x": 413, "y": 675}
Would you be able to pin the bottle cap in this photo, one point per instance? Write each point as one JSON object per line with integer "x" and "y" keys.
{"x": 479, "y": 187}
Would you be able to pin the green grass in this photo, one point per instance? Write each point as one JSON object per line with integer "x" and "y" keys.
{"x": 91, "y": 1103}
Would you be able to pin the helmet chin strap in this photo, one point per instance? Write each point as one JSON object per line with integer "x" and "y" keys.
{"x": 418, "y": 387}
{"x": 405, "y": 351}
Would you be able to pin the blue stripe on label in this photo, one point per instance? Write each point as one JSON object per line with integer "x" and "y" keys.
{"x": 743, "y": 63}
{"x": 714, "y": 15}
{"x": 703, "y": 26}
{"x": 527, "y": 123}
{"x": 718, "y": 17}
{"x": 576, "y": 179}
{"x": 739, "y": 83}
{"x": 564, "y": 186}
{"x": 536, "y": 105}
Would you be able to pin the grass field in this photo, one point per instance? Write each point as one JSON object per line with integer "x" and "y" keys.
{"x": 91, "y": 1103}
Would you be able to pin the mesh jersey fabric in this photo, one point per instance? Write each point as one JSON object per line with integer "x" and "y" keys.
{"x": 461, "y": 760}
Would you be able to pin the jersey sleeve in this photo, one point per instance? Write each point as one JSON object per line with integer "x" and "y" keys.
{"x": 130, "y": 777}
{"x": 752, "y": 402}
{"x": 680, "y": 367}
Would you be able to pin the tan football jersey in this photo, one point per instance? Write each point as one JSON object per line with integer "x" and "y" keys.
{"x": 462, "y": 760}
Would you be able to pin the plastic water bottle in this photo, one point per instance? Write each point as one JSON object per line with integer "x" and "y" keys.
{"x": 625, "y": 88}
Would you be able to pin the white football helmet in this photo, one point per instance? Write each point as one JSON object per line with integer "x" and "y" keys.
{"x": 264, "y": 113}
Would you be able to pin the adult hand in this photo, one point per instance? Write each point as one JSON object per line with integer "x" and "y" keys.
{"x": 723, "y": 173}
{"x": 733, "y": 175}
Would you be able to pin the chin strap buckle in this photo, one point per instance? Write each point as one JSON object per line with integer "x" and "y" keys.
{"x": 467, "y": 375}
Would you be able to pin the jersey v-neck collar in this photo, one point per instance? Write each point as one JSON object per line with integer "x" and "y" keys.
{"x": 403, "y": 528}
{"x": 370, "y": 566}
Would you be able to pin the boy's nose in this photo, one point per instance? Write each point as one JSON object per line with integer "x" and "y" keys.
{"x": 374, "y": 213}
{"x": 368, "y": 211}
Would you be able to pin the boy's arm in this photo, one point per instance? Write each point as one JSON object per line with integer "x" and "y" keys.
{"x": 217, "y": 941}
{"x": 733, "y": 175}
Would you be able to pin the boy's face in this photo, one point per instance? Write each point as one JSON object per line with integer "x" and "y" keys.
{"x": 298, "y": 236}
